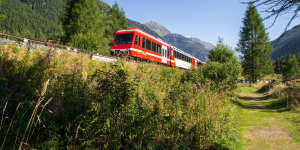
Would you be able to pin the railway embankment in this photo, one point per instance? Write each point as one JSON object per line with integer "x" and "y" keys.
{"x": 62, "y": 99}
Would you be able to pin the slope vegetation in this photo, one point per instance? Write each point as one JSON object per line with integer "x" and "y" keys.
{"x": 61, "y": 99}
{"x": 287, "y": 44}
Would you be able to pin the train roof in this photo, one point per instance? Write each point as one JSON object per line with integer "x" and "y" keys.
{"x": 142, "y": 32}
{"x": 181, "y": 51}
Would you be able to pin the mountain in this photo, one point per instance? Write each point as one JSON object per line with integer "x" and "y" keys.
{"x": 135, "y": 24}
{"x": 188, "y": 45}
{"x": 207, "y": 45}
{"x": 191, "y": 45}
{"x": 287, "y": 44}
{"x": 160, "y": 30}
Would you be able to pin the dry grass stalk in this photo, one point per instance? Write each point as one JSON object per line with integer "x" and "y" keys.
{"x": 10, "y": 126}
{"x": 34, "y": 113}
{"x": 2, "y": 117}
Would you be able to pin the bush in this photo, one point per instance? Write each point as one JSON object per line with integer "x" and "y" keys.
{"x": 223, "y": 69}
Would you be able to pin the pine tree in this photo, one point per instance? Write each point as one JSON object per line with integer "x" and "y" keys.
{"x": 116, "y": 20}
{"x": 83, "y": 26}
{"x": 292, "y": 67}
{"x": 223, "y": 66}
{"x": 255, "y": 47}
{"x": 221, "y": 53}
{"x": 1, "y": 15}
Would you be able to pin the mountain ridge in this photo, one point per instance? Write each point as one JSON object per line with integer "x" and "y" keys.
{"x": 287, "y": 43}
{"x": 159, "y": 29}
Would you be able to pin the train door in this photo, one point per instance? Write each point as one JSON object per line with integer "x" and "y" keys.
{"x": 171, "y": 55}
{"x": 164, "y": 54}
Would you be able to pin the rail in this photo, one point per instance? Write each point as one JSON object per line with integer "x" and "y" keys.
{"x": 30, "y": 43}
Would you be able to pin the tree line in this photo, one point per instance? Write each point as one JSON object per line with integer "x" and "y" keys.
{"x": 47, "y": 20}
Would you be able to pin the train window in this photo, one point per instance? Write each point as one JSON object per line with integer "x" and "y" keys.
{"x": 136, "y": 40}
{"x": 159, "y": 49}
{"x": 148, "y": 45}
{"x": 123, "y": 39}
{"x": 153, "y": 46}
{"x": 168, "y": 53}
{"x": 143, "y": 43}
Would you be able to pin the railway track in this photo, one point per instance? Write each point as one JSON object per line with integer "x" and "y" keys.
{"x": 49, "y": 45}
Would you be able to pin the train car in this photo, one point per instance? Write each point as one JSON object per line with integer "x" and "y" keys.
{"x": 136, "y": 43}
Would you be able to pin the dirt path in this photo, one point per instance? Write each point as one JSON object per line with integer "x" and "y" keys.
{"x": 264, "y": 123}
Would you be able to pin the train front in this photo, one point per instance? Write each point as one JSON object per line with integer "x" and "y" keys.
{"x": 122, "y": 43}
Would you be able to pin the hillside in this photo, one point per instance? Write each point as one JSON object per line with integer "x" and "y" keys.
{"x": 43, "y": 20}
{"x": 66, "y": 100}
{"x": 188, "y": 45}
{"x": 37, "y": 19}
{"x": 287, "y": 44}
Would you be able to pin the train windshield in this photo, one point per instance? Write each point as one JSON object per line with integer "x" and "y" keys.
{"x": 123, "y": 39}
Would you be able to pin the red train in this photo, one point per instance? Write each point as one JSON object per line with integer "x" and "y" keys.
{"x": 138, "y": 44}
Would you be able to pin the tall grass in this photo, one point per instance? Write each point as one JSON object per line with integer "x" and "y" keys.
{"x": 92, "y": 105}
{"x": 290, "y": 96}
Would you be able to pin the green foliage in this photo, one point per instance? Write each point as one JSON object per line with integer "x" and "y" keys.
{"x": 292, "y": 68}
{"x": 222, "y": 76}
{"x": 43, "y": 20}
{"x": 104, "y": 106}
{"x": 288, "y": 67}
{"x": 255, "y": 47}
{"x": 114, "y": 21}
{"x": 1, "y": 16}
{"x": 36, "y": 19}
{"x": 223, "y": 69}
{"x": 280, "y": 65}
{"x": 221, "y": 53}
{"x": 82, "y": 25}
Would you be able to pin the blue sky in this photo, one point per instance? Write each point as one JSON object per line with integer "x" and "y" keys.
{"x": 204, "y": 19}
